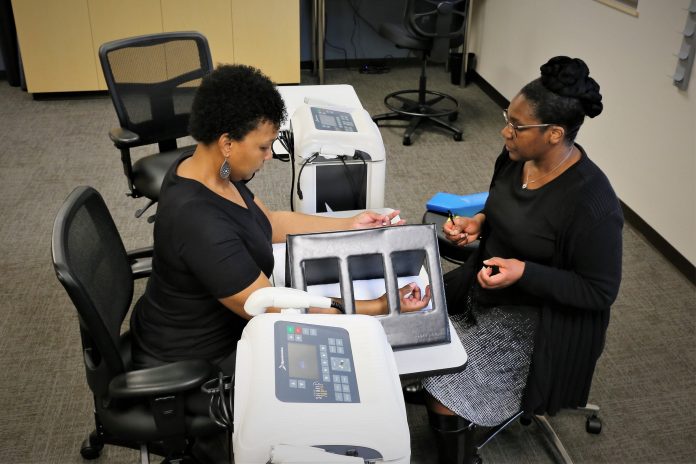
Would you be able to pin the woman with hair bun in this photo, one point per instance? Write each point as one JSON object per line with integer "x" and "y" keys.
{"x": 532, "y": 304}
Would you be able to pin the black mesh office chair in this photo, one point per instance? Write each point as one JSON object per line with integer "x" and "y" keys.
{"x": 152, "y": 80}
{"x": 141, "y": 409}
{"x": 430, "y": 28}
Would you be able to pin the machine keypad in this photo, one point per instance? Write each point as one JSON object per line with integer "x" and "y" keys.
{"x": 317, "y": 367}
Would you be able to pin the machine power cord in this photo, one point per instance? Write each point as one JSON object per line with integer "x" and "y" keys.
{"x": 221, "y": 405}
{"x": 356, "y": 190}
{"x": 287, "y": 140}
{"x": 299, "y": 176}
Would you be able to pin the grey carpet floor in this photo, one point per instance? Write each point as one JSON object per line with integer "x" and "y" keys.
{"x": 644, "y": 382}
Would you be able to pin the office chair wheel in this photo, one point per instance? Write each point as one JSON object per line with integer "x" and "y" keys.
{"x": 91, "y": 446}
{"x": 407, "y": 141}
{"x": 593, "y": 425}
{"x": 457, "y": 136}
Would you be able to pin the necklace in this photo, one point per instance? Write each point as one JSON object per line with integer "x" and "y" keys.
{"x": 565, "y": 158}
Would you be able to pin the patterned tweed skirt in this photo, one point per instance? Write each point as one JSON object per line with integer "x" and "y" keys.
{"x": 499, "y": 342}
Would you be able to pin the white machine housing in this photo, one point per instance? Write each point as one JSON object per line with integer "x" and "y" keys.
{"x": 333, "y": 131}
{"x": 374, "y": 419}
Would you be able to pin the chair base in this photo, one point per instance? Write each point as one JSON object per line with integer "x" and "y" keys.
{"x": 93, "y": 445}
{"x": 593, "y": 425}
{"x": 419, "y": 106}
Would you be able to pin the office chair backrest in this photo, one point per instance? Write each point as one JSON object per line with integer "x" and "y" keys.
{"x": 91, "y": 262}
{"x": 152, "y": 80}
{"x": 443, "y": 21}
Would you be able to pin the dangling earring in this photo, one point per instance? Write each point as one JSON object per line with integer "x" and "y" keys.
{"x": 225, "y": 169}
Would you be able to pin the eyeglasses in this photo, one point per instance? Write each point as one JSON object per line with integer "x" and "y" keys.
{"x": 515, "y": 127}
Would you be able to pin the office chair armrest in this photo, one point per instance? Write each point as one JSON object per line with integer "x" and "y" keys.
{"x": 141, "y": 262}
{"x": 123, "y": 138}
{"x": 161, "y": 380}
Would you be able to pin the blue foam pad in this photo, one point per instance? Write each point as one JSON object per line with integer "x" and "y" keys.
{"x": 460, "y": 205}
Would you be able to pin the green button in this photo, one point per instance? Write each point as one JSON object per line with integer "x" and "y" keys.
{"x": 291, "y": 329}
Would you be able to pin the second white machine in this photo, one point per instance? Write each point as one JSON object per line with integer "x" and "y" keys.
{"x": 339, "y": 159}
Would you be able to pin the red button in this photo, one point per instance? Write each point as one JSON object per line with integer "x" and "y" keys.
{"x": 298, "y": 330}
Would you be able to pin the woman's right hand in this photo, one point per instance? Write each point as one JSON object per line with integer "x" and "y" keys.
{"x": 463, "y": 230}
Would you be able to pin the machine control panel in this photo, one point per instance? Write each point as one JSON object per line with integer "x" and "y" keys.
{"x": 332, "y": 120}
{"x": 314, "y": 364}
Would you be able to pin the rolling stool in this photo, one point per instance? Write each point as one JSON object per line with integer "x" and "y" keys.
{"x": 429, "y": 29}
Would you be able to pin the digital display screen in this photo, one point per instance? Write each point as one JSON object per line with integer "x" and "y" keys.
{"x": 328, "y": 120}
{"x": 303, "y": 361}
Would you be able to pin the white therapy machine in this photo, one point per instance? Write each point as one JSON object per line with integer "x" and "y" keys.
{"x": 339, "y": 158}
{"x": 315, "y": 388}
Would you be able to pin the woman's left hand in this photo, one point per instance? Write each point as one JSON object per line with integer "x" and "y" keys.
{"x": 498, "y": 273}
{"x": 370, "y": 219}
{"x": 411, "y": 298}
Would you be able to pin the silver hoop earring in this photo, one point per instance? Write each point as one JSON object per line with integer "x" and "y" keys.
{"x": 225, "y": 170}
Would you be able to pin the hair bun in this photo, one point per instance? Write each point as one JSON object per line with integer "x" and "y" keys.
{"x": 570, "y": 77}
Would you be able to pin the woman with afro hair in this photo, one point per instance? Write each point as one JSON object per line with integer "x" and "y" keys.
{"x": 531, "y": 306}
{"x": 213, "y": 238}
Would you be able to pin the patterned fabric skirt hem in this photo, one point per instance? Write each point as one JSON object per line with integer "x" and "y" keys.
{"x": 499, "y": 343}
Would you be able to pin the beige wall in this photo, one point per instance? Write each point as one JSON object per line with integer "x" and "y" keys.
{"x": 645, "y": 140}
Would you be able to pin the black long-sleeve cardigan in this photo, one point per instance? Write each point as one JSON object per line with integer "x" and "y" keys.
{"x": 578, "y": 290}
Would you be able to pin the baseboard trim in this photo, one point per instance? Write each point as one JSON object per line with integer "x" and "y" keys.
{"x": 670, "y": 253}
{"x": 72, "y": 95}
{"x": 488, "y": 89}
{"x": 357, "y": 64}
{"x": 679, "y": 261}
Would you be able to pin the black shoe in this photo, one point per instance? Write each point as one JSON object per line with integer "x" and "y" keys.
{"x": 212, "y": 449}
{"x": 454, "y": 439}
{"x": 414, "y": 393}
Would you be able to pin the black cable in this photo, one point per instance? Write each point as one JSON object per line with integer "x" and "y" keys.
{"x": 356, "y": 11}
{"x": 345, "y": 52}
{"x": 221, "y": 405}
{"x": 357, "y": 191}
{"x": 355, "y": 29}
{"x": 351, "y": 182}
{"x": 284, "y": 157}
{"x": 363, "y": 179}
{"x": 299, "y": 176}
{"x": 287, "y": 140}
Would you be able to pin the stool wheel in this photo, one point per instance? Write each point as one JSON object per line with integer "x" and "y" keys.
{"x": 457, "y": 136}
{"x": 453, "y": 117}
{"x": 593, "y": 425}
{"x": 407, "y": 141}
